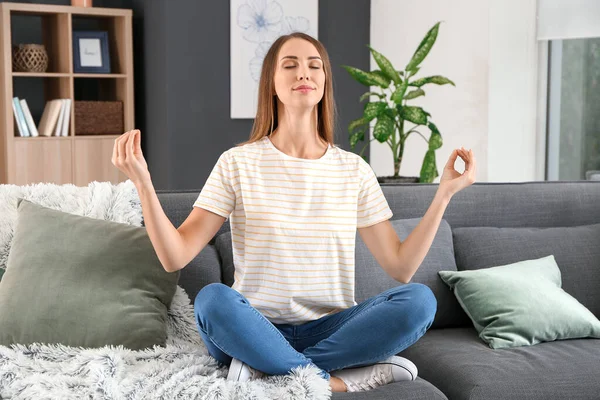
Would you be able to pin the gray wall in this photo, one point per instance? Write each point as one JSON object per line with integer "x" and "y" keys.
{"x": 182, "y": 87}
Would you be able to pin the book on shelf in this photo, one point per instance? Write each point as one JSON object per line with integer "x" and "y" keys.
{"x": 29, "y": 118}
{"x": 54, "y": 122}
{"x": 59, "y": 123}
{"x": 67, "y": 118}
{"x": 20, "y": 118}
{"x": 55, "y": 118}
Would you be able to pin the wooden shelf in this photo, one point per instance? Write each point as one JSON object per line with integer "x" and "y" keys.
{"x": 24, "y": 8}
{"x": 43, "y": 138}
{"x": 118, "y": 76}
{"x": 98, "y": 137}
{"x": 65, "y": 75}
{"x": 41, "y": 74}
{"x": 77, "y": 159}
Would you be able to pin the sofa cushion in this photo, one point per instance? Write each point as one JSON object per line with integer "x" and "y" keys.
{"x": 576, "y": 250}
{"x": 463, "y": 367}
{"x": 418, "y": 389}
{"x": 506, "y": 204}
{"x": 224, "y": 247}
{"x": 521, "y": 304}
{"x": 372, "y": 280}
{"x": 201, "y": 271}
{"x": 82, "y": 281}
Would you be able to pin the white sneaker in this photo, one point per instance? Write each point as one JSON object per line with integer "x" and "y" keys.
{"x": 394, "y": 369}
{"x": 238, "y": 371}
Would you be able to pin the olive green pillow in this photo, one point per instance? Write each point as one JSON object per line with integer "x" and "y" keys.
{"x": 81, "y": 281}
{"x": 521, "y": 304}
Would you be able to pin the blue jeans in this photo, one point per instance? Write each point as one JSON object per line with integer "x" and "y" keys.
{"x": 364, "y": 334}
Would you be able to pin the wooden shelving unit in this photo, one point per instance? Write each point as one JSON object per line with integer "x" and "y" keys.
{"x": 77, "y": 159}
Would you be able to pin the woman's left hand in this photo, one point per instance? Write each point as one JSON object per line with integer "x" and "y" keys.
{"x": 453, "y": 181}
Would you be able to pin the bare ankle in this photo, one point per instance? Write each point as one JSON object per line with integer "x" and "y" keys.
{"x": 337, "y": 385}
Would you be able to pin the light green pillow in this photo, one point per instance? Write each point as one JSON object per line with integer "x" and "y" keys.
{"x": 521, "y": 304}
{"x": 82, "y": 282}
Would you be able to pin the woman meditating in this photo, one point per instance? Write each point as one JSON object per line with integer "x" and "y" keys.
{"x": 294, "y": 201}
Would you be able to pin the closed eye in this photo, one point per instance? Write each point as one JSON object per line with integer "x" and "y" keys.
{"x": 293, "y": 66}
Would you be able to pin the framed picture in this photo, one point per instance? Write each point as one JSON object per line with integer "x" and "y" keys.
{"x": 90, "y": 52}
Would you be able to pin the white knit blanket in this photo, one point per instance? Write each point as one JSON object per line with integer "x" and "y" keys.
{"x": 181, "y": 370}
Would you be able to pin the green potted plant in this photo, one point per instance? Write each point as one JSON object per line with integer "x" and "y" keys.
{"x": 391, "y": 112}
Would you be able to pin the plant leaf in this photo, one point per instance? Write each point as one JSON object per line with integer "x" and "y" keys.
{"x": 424, "y": 48}
{"x": 356, "y": 123}
{"x": 398, "y": 94}
{"x": 373, "y": 110}
{"x": 435, "y": 140}
{"x": 413, "y": 71}
{"x": 385, "y": 80}
{"x": 367, "y": 94}
{"x": 428, "y": 169}
{"x": 414, "y": 94}
{"x": 415, "y": 115}
{"x": 437, "y": 79}
{"x": 356, "y": 137}
{"x": 366, "y": 78}
{"x": 391, "y": 112}
{"x": 384, "y": 128}
{"x": 386, "y": 66}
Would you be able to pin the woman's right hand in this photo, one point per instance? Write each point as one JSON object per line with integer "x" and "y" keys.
{"x": 127, "y": 156}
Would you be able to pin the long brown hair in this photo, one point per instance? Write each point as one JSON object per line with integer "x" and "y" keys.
{"x": 265, "y": 121}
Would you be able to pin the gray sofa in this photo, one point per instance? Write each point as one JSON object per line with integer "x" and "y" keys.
{"x": 485, "y": 225}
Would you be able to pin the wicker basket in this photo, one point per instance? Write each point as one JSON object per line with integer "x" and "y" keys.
{"x": 30, "y": 58}
{"x": 98, "y": 117}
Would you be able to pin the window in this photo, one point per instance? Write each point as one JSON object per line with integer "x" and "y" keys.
{"x": 568, "y": 34}
{"x": 573, "y": 113}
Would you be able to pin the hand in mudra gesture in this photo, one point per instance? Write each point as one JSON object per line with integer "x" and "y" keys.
{"x": 453, "y": 181}
{"x": 127, "y": 156}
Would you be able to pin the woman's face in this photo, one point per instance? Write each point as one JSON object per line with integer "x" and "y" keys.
{"x": 299, "y": 76}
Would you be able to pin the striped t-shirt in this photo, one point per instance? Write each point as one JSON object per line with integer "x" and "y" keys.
{"x": 293, "y": 226}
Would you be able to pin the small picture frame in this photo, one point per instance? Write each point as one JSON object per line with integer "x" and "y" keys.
{"x": 90, "y": 52}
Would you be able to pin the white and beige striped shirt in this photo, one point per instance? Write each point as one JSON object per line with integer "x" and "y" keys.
{"x": 293, "y": 225}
